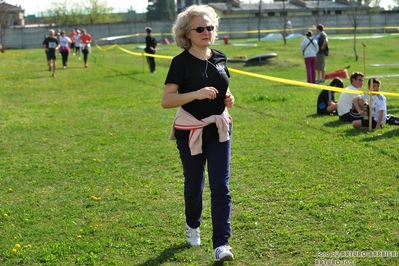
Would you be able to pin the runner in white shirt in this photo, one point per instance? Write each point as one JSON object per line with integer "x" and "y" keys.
{"x": 77, "y": 43}
{"x": 64, "y": 49}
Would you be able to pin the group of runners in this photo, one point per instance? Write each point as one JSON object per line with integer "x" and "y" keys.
{"x": 78, "y": 42}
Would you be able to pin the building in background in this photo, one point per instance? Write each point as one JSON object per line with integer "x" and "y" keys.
{"x": 291, "y": 8}
{"x": 12, "y": 16}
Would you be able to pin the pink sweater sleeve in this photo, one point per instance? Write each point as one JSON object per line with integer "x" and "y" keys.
{"x": 185, "y": 121}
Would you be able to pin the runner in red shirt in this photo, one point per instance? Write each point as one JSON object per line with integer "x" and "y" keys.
{"x": 71, "y": 35}
{"x": 85, "y": 45}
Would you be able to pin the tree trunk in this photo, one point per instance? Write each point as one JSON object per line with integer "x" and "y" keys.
{"x": 354, "y": 45}
{"x": 259, "y": 18}
{"x": 285, "y": 35}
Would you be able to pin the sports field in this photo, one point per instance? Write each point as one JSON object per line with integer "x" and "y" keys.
{"x": 88, "y": 175}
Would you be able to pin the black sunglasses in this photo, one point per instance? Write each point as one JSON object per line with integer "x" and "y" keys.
{"x": 201, "y": 29}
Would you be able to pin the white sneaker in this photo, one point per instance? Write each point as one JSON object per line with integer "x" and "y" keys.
{"x": 193, "y": 236}
{"x": 223, "y": 253}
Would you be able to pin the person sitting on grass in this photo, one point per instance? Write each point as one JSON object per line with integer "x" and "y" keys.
{"x": 378, "y": 104}
{"x": 326, "y": 103}
{"x": 346, "y": 110}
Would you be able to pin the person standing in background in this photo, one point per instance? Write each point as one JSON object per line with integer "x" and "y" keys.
{"x": 309, "y": 49}
{"x": 322, "y": 40}
{"x": 150, "y": 48}
{"x": 289, "y": 26}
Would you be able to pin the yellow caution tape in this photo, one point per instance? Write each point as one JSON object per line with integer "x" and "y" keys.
{"x": 280, "y": 80}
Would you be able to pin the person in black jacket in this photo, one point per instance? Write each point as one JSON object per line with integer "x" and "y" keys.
{"x": 150, "y": 48}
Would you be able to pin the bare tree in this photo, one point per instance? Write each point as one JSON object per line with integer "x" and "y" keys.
{"x": 356, "y": 14}
{"x": 58, "y": 13}
{"x": 283, "y": 18}
{"x": 76, "y": 12}
{"x": 373, "y": 3}
{"x": 260, "y": 18}
{"x": 98, "y": 11}
{"x": 318, "y": 7}
{"x": 4, "y": 19}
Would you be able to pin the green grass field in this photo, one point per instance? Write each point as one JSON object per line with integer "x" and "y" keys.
{"x": 88, "y": 175}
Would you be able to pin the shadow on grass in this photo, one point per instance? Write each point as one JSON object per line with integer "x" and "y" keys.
{"x": 355, "y": 132}
{"x": 371, "y": 139}
{"x": 392, "y": 109}
{"x": 335, "y": 123}
{"x": 314, "y": 115}
{"x": 165, "y": 255}
{"x": 168, "y": 254}
{"x": 387, "y": 135}
{"x": 217, "y": 263}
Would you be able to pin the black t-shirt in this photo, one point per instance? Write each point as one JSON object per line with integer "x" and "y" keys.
{"x": 51, "y": 43}
{"x": 322, "y": 101}
{"x": 192, "y": 74}
{"x": 150, "y": 41}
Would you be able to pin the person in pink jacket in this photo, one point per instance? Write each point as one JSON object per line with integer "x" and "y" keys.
{"x": 310, "y": 48}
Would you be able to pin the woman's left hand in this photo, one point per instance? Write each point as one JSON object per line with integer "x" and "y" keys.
{"x": 229, "y": 100}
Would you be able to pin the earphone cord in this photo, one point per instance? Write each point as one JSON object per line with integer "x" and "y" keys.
{"x": 206, "y": 65}
{"x": 206, "y": 69}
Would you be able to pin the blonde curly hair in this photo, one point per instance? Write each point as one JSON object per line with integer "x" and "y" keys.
{"x": 181, "y": 27}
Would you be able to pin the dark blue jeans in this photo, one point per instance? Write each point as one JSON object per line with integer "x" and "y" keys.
{"x": 216, "y": 155}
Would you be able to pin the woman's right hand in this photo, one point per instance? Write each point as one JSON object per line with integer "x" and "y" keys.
{"x": 171, "y": 98}
{"x": 207, "y": 93}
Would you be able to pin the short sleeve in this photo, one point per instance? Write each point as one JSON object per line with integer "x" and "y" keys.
{"x": 176, "y": 71}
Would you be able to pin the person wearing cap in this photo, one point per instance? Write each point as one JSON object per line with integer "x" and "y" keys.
{"x": 309, "y": 49}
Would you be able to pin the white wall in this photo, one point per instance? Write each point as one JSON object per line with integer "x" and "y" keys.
{"x": 24, "y": 38}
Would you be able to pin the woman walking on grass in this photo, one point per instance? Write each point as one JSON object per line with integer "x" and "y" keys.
{"x": 198, "y": 84}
